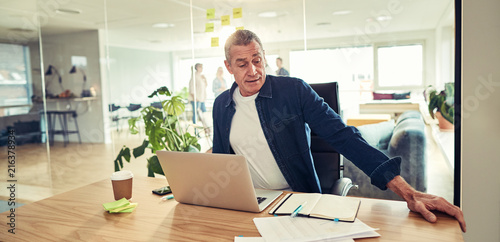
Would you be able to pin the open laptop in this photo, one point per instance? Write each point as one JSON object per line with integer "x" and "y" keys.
{"x": 214, "y": 180}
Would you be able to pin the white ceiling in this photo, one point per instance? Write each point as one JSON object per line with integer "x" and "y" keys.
{"x": 130, "y": 22}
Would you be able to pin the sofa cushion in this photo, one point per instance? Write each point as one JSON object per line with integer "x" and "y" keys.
{"x": 412, "y": 114}
{"x": 377, "y": 135}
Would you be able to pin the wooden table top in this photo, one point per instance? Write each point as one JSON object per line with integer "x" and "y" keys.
{"x": 79, "y": 215}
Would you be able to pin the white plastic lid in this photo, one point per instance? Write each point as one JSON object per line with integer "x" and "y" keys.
{"x": 121, "y": 175}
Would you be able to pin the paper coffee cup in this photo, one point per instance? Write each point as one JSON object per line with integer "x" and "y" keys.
{"x": 122, "y": 184}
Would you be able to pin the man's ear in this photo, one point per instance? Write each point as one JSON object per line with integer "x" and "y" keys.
{"x": 228, "y": 67}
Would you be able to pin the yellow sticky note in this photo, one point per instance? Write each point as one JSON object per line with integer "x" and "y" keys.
{"x": 210, "y": 13}
{"x": 116, "y": 204}
{"x": 225, "y": 20}
{"x": 237, "y": 13}
{"x": 240, "y": 28}
{"x": 209, "y": 27}
{"x": 215, "y": 42}
{"x": 125, "y": 209}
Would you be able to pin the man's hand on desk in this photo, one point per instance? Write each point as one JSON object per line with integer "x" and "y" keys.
{"x": 424, "y": 203}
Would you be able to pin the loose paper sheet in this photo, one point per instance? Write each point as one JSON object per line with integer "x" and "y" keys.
{"x": 303, "y": 229}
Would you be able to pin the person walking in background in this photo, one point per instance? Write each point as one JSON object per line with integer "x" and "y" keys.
{"x": 281, "y": 70}
{"x": 219, "y": 84}
{"x": 200, "y": 94}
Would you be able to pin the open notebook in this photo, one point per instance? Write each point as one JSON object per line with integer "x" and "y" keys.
{"x": 317, "y": 205}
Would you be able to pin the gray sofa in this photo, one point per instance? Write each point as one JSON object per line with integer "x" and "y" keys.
{"x": 404, "y": 138}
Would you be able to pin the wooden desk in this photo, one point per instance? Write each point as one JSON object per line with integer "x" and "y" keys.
{"x": 79, "y": 215}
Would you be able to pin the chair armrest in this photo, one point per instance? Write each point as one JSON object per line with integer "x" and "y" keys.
{"x": 342, "y": 186}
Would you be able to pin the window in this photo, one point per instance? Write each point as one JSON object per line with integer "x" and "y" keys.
{"x": 347, "y": 66}
{"x": 399, "y": 66}
{"x": 15, "y": 83}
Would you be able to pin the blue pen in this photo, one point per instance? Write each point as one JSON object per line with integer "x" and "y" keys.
{"x": 297, "y": 210}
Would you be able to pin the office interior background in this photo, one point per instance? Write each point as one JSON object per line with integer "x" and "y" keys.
{"x": 123, "y": 51}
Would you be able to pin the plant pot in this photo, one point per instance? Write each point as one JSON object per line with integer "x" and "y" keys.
{"x": 444, "y": 125}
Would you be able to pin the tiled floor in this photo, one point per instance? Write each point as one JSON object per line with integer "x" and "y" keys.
{"x": 79, "y": 164}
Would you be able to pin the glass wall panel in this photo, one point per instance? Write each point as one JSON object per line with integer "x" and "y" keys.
{"x": 23, "y": 157}
{"x": 350, "y": 41}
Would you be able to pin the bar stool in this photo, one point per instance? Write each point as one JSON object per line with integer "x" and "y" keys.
{"x": 62, "y": 116}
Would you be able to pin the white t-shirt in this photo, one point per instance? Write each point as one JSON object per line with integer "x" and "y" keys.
{"x": 247, "y": 139}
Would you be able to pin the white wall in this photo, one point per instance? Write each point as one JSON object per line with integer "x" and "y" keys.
{"x": 481, "y": 119}
{"x": 57, "y": 51}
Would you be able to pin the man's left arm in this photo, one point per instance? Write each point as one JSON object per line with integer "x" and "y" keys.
{"x": 424, "y": 203}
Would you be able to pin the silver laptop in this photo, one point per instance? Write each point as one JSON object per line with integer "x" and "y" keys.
{"x": 213, "y": 180}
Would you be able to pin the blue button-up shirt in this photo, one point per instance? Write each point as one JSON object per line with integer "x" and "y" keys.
{"x": 288, "y": 110}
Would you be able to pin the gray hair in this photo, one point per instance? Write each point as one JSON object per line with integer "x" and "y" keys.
{"x": 241, "y": 37}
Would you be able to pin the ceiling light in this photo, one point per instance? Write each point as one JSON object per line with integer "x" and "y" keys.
{"x": 270, "y": 14}
{"x": 324, "y": 24}
{"x": 68, "y": 11}
{"x": 22, "y": 30}
{"x": 384, "y": 18}
{"x": 342, "y": 12}
{"x": 163, "y": 25}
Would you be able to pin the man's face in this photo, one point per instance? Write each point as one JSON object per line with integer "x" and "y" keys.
{"x": 247, "y": 64}
{"x": 278, "y": 63}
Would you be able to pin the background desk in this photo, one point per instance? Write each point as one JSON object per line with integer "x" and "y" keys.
{"x": 79, "y": 215}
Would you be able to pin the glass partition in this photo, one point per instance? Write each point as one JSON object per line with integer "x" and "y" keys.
{"x": 384, "y": 54}
{"x": 98, "y": 61}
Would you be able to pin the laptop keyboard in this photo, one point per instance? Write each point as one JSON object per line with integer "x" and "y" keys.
{"x": 261, "y": 199}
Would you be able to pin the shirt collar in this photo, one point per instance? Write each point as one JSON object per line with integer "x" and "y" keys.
{"x": 265, "y": 90}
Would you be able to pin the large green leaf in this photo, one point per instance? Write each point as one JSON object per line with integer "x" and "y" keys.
{"x": 123, "y": 154}
{"x": 132, "y": 125}
{"x": 175, "y": 106}
{"x": 138, "y": 151}
{"x": 154, "y": 165}
{"x": 161, "y": 91}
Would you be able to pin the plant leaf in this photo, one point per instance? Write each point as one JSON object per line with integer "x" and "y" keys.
{"x": 154, "y": 165}
{"x": 132, "y": 126}
{"x": 138, "y": 151}
{"x": 162, "y": 91}
{"x": 175, "y": 106}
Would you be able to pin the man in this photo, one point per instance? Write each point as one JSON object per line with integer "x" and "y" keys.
{"x": 268, "y": 120}
{"x": 281, "y": 70}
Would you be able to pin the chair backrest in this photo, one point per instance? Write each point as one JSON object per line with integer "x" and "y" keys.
{"x": 326, "y": 159}
{"x": 133, "y": 107}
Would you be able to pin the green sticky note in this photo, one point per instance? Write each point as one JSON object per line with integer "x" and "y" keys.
{"x": 209, "y": 27}
{"x": 116, "y": 204}
{"x": 210, "y": 13}
{"x": 125, "y": 209}
{"x": 225, "y": 20}
{"x": 237, "y": 13}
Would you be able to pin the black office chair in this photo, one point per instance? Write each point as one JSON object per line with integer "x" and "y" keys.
{"x": 327, "y": 160}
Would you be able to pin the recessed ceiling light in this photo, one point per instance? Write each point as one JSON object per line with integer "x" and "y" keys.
{"x": 323, "y": 24}
{"x": 384, "y": 18}
{"x": 342, "y": 12}
{"x": 163, "y": 25}
{"x": 270, "y": 14}
{"x": 68, "y": 11}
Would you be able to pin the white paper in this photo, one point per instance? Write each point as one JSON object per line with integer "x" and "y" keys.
{"x": 248, "y": 239}
{"x": 286, "y": 228}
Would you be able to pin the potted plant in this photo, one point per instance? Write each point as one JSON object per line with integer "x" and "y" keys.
{"x": 162, "y": 130}
{"x": 442, "y": 104}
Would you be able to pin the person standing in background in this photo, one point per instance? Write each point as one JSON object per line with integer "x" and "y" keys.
{"x": 201, "y": 90}
{"x": 281, "y": 70}
{"x": 219, "y": 84}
